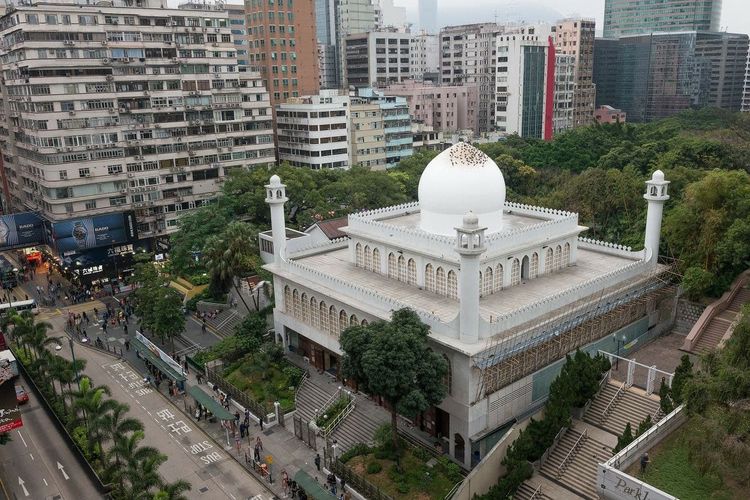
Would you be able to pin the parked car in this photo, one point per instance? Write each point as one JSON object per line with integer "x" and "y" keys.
{"x": 22, "y": 396}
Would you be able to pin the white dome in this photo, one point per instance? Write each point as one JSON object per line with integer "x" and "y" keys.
{"x": 658, "y": 176}
{"x": 461, "y": 179}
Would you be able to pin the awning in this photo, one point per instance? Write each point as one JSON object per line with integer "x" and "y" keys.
{"x": 156, "y": 361}
{"x": 312, "y": 487}
{"x": 209, "y": 403}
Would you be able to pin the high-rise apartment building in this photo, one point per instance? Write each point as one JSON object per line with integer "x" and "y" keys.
{"x": 283, "y": 46}
{"x": 367, "y": 134}
{"x": 425, "y": 57}
{"x": 428, "y": 16}
{"x": 390, "y": 15}
{"x": 325, "y": 29}
{"x": 352, "y": 17}
{"x": 238, "y": 24}
{"x": 467, "y": 57}
{"x": 640, "y": 17}
{"x": 655, "y": 76}
{"x": 124, "y": 106}
{"x": 576, "y": 37}
{"x": 746, "y": 92}
{"x": 564, "y": 94}
{"x": 446, "y": 108}
{"x": 313, "y": 131}
{"x": 377, "y": 58}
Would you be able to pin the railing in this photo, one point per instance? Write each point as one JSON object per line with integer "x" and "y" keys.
{"x": 537, "y": 491}
{"x": 547, "y": 452}
{"x": 305, "y": 376}
{"x": 325, "y": 432}
{"x": 419, "y": 444}
{"x": 319, "y": 411}
{"x": 255, "y": 408}
{"x": 605, "y": 413}
{"x": 453, "y": 491}
{"x": 360, "y": 484}
{"x": 571, "y": 453}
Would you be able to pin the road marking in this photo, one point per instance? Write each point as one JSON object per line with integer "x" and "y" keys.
{"x": 45, "y": 482}
{"x": 62, "y": 469}
{"x": 23, "y": 486}
{"x": 22, "y": 439}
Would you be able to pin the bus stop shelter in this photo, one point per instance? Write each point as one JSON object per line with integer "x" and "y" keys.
{"x": 163, "y": 367}
{"x": 204, "y": 399}
{"x": 312, "y": 487}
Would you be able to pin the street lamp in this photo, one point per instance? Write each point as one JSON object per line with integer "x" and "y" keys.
{"x": 75, "y": 366}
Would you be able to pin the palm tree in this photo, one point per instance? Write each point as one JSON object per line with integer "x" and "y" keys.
{"x": 33, "y": 334}
{"x": 117, "y": 424}
{"x": 127, "y": 455}
{"x": 230, "y": 256}
{"x": 94, "y": 410}
{"x": 65, "y": 372}
{"x": 173, "y": 491}
{"x": 141, "y": 474}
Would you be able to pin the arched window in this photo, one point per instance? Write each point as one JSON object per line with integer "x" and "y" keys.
{"x": 333, "y": 321}
{"x": 323, "y": 316}
{"x": 343, "y": 321}
{"x": 566, "y": 255}
{"x": 534, "y": 270}
{"x": 359, "y": 255}
{"x": 376, "y": 261}
{"x": 288, "y": 306}
{"x": 653, "y": 190}
{"x": 305, "y": 309}
{"x": 353, "y": 321}
{"x": 556, "y": 258}
{"x": 440, "y": 281}
{"x": 314, "y": 313}
{"x": 411, "y": 272}
{"x": 297, "y": 305}
{"x": 429, "y": 278}
{"x": 364, "y": 322}
{"x": 448, "y": 379}
{"x": 548, "y": 261}
{"x": 368, "y": 258}
{"x": 499, "y": 276}
{"x": 452, "y": 285}
{"x": 515, "y": 273}
{"x": 487, "y": 281}
{"x": 392, "y": 271}
{"x": 401, "y": 268}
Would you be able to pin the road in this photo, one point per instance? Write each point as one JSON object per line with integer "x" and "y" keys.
{"x": 38, "y": 464}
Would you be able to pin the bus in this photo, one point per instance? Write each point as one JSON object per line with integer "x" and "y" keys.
{"x": 19, "y": 306}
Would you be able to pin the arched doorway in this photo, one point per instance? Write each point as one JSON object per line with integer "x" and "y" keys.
{"x": 525, "y": 268}
{"x": 458, "y": 447}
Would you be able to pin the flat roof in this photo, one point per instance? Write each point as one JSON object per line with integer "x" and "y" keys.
{"x": 510, "y": 220}
{"x": 590, "y": 265}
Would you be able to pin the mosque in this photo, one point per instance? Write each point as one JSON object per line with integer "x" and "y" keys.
{"x": 506, "y": 289}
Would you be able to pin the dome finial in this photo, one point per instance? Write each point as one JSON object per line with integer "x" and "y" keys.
{"x": 471, "y": 221}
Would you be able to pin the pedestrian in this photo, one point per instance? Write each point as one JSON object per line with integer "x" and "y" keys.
{"x": 125, "y": 329}
{"x": 104, "y": 327}
{"x": 127, "y": 345}
{"x": 247, "y": 415}
{"x": 317, "y": 461}
{"x": 237, "y": 417}
{"x": 284, "y": 481}
{"x": 186, "y": 366}
{"x": 257, "y": 453}
{"x": 203, "y": 327}
{"x": 260, "y": 422}
{"x": 644, "y": 462}
{"x": 258, "y": 442}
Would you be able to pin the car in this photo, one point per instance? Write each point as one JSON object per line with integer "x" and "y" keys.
{"x": 22, "y": 397}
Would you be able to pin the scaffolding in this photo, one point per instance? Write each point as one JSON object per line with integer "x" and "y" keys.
{"x": 519, "y": 352}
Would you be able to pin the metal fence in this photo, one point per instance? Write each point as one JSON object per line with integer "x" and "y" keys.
{"x": 304, "y": 432}
{"x": 362, "y": 485}
{"x": 214, "y": 377}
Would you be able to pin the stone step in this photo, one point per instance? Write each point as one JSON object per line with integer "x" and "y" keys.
{"x": 527, "y": 489}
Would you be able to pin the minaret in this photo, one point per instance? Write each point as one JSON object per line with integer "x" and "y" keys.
{"x": 276, "y": 197}
{"x": 656, "y": 195}
{"x": 470, "y": 247}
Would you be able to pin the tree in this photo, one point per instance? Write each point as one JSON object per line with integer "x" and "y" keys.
{"x": 665, "y": 398}
{"x": 167, "y": 318}
{"x": 682, "y": 374}
{"x": 231, "y": 255}
{"x": 173, "y": 491}
{"x": 393, "y": 360}
{"x": 624, "y": 439}
{"x": 92, "y": 409}
{"x": 697, "y": 282}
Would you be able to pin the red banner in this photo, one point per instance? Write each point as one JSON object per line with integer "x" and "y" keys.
{"x": 10, "y": 414}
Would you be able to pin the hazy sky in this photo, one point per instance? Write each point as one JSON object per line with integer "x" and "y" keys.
{"x": 735, "y": 13}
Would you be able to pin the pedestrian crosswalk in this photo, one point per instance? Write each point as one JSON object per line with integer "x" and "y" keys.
{"x": 52, "y": 312}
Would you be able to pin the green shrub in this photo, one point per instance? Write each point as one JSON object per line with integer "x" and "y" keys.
{"x": 402, "y": 487}
{"x": 421, "y": 453}
{"x": 199, "y": 279}
{"x": 330, "y": 413}
{"x": 293, "y": 375}
{"x": 355, "y": 451}
{"x": 450, "y": 469}
{"x": 697, "y": 282}
{"x": 374, "y": 467}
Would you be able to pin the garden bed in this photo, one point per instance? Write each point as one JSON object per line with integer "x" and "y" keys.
{"x": 412, "y": 478}
{"x": 670, "y": 470}
{"x": 265, "y": 381}
{"x": 329, "y": 414}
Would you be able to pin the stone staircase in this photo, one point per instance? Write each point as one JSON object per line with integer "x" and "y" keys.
{"x": 628, "y": 406}
{"x": 225, "y": 321}
{"x": 530, "y": 491}
{"x": 718, "y": 325}
{"x": 361, "y": 424}
{"x": 311, "y": 397}
{"x": 579, "y": 455}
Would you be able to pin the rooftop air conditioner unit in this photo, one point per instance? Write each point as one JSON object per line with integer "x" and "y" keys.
{"x": 109, "y": 78}
{"x": 126, "y": 59}
{"x": 130, "y": 174}
{"x": 104, "y": 42}
{"x": 123, "y": 191}
{"x": 72, "y": 113}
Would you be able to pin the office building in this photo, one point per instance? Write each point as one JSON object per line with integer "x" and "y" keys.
{"x": 367, "y": 134}
{"x": 746, "y": 92}
{"x": 576, "y": 37}
{"x": 352, "y": 17}
{"x": 641, "y": 17}
{"x": 377, "y": 58}
{"x": 564, "y": 94}
{"x": 313, "y": 131}
{"x": 467, "y": 57}
{"x": 425, "y": 57}
{"x": 396, "y": 124}
{"x": 125, "y": 106}
{"x": 424, "y": 138}
{"x": 428, "y": 10}
{"x": 238, "y": 24}
{"x": 446, "y": 108}
{"x": 654, "y": 76}
{"x": 608, "y": 114}
{"x": 391, "y": 16}
{"x": 283, "y": 46}
{"x": 325, "y": 29}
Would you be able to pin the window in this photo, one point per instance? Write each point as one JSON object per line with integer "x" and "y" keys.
{"x": 117, "y": 201}
{"x": 548, "y": 260}
{"x": 556, "y": 258}
{"x": 63, "y": 174}
{"x": 114, "y": 169}
{"x": 429, "y": 278}
{"x": 367, "y": 258}
{"x": 487, "y": 282}
{"x": 392, "y": 272}
{"x": 343, "y": 321}
{"x": 333, "y": 321}
{"x": 314, "y": 313}
{"x": 411, "y": 274}
{"x": 499, "y": 275}
{"x": 566, "y": 255}
{"x": 32, "y": 18}
{"x": 452, "y": 285}
{"x": 288, "y": 299}
{"x": 51, "y": 19}
{"x": 359, "y": 255}
{"x": 515, "y": 273}
{"x": 376, "y": 260}
{"x": 534, "y": 268}
{"x": 305, "y": 309}
{"x": 323, "y": 313}
{"x": 91, "y": 205}
{"x": 84, "y": 172}
{"x": 401, "y": 268}
{"x": 440, "y": 281}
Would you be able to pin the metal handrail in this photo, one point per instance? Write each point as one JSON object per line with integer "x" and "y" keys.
{"x": 537, "y": 491}
{"x": 339, "y": 418}
{"x": 562, "y": 466}
{"x": 336, "y": 395}
{"x": 605, "y": 413}
{"x": 453, "y": 490}
{"x": 305, "y": 376}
